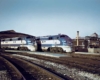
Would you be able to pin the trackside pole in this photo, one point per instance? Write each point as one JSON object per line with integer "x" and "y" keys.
{"x": 1, "y": 50}
{"x": 0, "y": 45}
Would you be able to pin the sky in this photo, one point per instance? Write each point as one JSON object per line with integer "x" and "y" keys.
{"x": 51, "y": 17}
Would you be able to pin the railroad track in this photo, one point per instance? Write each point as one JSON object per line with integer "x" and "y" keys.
{"x": 12, "y": 70}
{"x": 4, "y": 75}
{"x": 71, "y": 62}
{"x": 33, "y": 71}
{"x": 85, "y": 56}
{"x": 42, "y": 64}
{"x": 83, "y": 64}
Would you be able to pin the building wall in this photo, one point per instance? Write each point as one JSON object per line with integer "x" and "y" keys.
{"x": 81, "y": 46}
{"x": 94, "y": 42}
{"x": 86, "y": 42}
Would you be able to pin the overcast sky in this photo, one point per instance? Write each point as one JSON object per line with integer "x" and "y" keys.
{"x": 51, "y": 17}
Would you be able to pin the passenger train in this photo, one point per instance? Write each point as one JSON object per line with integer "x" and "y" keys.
{"x": 52, "y": 43}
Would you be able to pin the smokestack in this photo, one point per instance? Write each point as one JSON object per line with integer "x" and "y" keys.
{"x": 77, "y": 38}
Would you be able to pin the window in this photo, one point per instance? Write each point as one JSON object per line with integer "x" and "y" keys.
{"x": 19, "y": 39}
{"x": 62, "y": 36}
{"x": 50, "y": 38}
{"x": 10, "y": 39}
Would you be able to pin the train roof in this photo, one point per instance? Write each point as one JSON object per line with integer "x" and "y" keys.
{"x": 48, "y": 36}
{"x": 12, "y": 33}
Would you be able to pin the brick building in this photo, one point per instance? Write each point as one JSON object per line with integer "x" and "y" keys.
{"x": 82, "y": 43}
{"x": 93, "y": 40}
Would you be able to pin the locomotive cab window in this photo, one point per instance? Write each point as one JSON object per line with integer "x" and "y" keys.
{"x": 62, "y": 36}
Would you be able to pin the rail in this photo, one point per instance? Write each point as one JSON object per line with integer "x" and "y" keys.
{"x": 37, "y": 72}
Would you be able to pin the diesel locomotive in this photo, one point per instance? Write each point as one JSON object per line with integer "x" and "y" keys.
{"x": 51, "y": 43}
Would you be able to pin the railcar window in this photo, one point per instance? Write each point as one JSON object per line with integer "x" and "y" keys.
{"x": 50, "y": 38}
{"x": 10, "y": 39}
{"x": 19, "y": 39}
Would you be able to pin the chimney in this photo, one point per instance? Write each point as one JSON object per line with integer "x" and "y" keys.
{"x": 77, "y": 38}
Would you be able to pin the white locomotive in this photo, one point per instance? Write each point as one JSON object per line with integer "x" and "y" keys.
{"x": 19, "y": 43}
{"x": 55, "y": 43}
